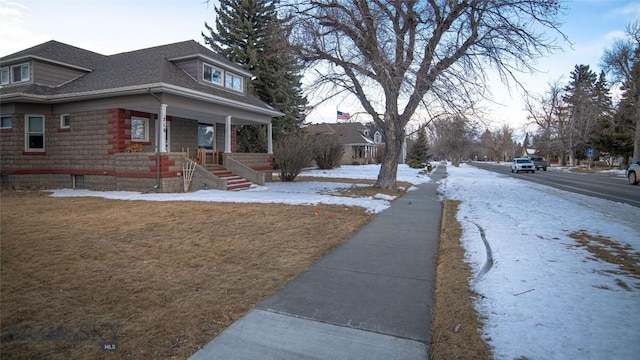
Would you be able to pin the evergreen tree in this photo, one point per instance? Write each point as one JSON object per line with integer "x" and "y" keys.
{"x": 417, "y": 155}
{"x": 615, "y": 132}
{"x": 587, "y": 99}
{"x": 249, "y": 32}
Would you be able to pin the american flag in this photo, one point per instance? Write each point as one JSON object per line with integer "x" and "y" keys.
{"x": 343, "y": 115}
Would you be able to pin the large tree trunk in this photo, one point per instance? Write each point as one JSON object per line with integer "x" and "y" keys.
{"x": 389, "y": 168}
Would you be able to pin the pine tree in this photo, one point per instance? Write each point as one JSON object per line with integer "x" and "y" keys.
{"x": 615, "y": 131}
{"x": 249, "y": 32}
{"x": 588, "y": 101}
{"x": 417, "y": 156}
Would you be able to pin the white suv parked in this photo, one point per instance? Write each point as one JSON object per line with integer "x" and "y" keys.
{"x": 523, "y": 164}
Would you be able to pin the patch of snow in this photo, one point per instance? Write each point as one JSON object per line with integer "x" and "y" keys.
{"x": 370, "y": 172}
{"x": 293, "y": 193}
{"x": 546, "y": 297}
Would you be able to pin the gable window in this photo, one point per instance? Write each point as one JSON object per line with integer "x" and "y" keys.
{"x": 4, "y": 76}
{"x": 35, "y": 132}
{"x": 233, "y": 81}
{"x": 377, "y": 137}
{"x": 65, "y": 121}
{"x": 20, "y": 73}
{"x": 139, "y": 129}
{"x": 5, "y": 123}
{"x": 212, "y": 74}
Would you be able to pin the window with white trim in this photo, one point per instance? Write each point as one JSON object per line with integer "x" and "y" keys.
{"x": 20, "y": 73}
{"x": 34, "y": 132}
{"x": 5, "y": 122}
{"x": 377, "y": 137}
{"x": 205, "y": 136}
{"x": 233, "y": 81}
{"x": 139, "y": 129}
{"x": 65, "y": 121}
{"x": 4, "y": 75}
{"x": 212, "y": 74}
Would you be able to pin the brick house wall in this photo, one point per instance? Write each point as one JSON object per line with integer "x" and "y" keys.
{"x": 77, "y": 150}
{"x": 89, "y": 153}
{"x": 138, "y": 172}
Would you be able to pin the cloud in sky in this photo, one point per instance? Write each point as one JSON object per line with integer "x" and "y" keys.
{"x": 632, "y": 9}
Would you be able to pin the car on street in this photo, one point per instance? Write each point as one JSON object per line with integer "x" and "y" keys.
{"x": 522, "y": 164}
{"x": 539, "y": 163}
{"x": 632, "y": 173}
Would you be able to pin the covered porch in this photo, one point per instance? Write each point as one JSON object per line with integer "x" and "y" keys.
{"x": 200, "y": 131}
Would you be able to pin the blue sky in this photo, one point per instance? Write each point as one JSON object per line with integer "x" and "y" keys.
{"x": 113, "y": 26}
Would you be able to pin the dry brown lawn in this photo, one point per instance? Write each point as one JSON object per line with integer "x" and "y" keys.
{"x": 166, "y": 276}
{"x": 161, "y": 279}
{"x": 455, "y": 323}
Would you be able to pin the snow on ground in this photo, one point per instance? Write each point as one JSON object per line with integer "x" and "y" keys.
{"x": 294, "y": 193}
{"x": 545, "y": 297}
{"x": 405, "y": 173}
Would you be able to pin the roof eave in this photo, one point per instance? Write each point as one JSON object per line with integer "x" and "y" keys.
{"x": 135, "y": 90}
{"x": 236, "y": 69}
{"x": 34, "y": 57}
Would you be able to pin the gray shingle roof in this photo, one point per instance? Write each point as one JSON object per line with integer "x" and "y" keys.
{"x": 59, "y": 52}
{"x": 350, "y": 133}
{"x": 128, "y": 69}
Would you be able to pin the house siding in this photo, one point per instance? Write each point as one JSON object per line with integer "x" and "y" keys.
{"x": 54, "y": 75}
{"x": 190, "y": 67}
{"x": 184, "y": 134}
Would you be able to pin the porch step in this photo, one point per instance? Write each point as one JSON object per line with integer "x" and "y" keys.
{"x": 234, "y": 182}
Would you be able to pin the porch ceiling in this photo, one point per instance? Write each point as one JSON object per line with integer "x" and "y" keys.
{"x": 204, "y": 113}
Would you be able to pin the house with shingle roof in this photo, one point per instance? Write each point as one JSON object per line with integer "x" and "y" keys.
{"x": 360, "y": 149}
{"x": 130, "y": 121}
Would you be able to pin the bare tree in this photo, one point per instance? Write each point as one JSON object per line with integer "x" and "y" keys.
{"x": 396, "y": 55}
{"x": 498, "y": 143}
{"x": 452, "y": 138}
{"x": 622, "y": 62}
{"x": 545, "y": 111}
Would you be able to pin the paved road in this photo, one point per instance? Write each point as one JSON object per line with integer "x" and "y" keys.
{"x": 615, "y": 188}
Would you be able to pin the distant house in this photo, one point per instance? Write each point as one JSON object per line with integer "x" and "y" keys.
{"x": 376, "y": 134}
{"x": 360, "y": 149}
{"x": 77, "y": 119}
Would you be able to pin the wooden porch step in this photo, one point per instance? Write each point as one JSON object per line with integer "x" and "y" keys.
{"x": 234, "y": 182}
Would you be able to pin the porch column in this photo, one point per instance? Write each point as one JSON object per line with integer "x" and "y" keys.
{"x": 227, "y": 135}
{"x": 270, "y": 138}
{"x": 162, "y": 143}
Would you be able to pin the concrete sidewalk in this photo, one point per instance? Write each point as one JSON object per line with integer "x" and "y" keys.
{"x": 370, "y": 298}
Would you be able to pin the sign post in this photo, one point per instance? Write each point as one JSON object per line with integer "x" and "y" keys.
{"x": 590, "y": 152}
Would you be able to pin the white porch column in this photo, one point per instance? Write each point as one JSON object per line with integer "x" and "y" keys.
{"x": 162, "y": 143}
{"x": 270, "y": 138}
{"x": 227, "y": 135}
